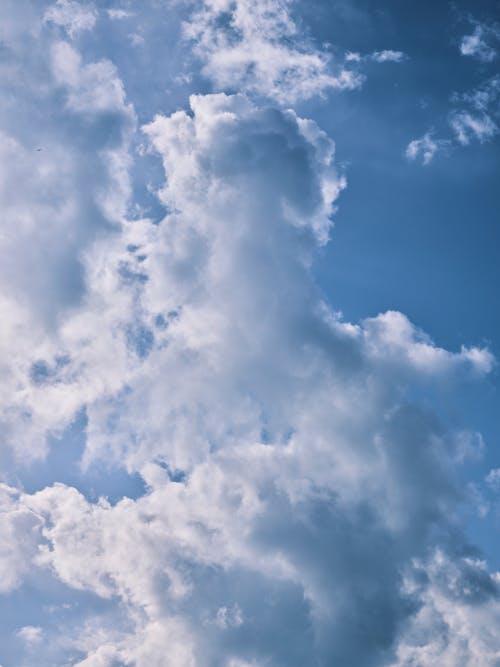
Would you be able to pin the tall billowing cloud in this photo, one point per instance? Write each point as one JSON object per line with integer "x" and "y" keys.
{"x": 299, "y": 507}
{"x": 424, "y": 148}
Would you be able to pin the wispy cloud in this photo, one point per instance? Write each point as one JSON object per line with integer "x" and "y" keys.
{"x": 388, "y": 56}
{"x": 474, "y": 114}
{"x": 425, "y": 148}
{"x": 257, "y": 47}
{"x": 71, "y": 15}
{"x": 119, "y": 14}
{"x": 479, "y": 43}
{"x": 477, "y": 112}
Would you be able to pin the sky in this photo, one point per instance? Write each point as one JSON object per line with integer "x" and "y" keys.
{"x": 249, "y": 343}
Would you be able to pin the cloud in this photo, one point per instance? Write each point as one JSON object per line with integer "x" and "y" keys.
{"x": 476, "y": 44}
{"x": 93, "y": 88}
{"x": 476, "y": 119}
{"x": 256, "y": 47}
{"x": 459, "y": 612}
{"x": 294, "y": 491}
{"x": 281, "y": 455}
{"x": 118, "y": 14}
{"x": 30, "y": 634}
{"x": 475, "y": 113}
{"x": 388, "y": 55}
{"x": 20, "y": 539}
{"x": 391, "y": 334}
{"x": 65, "y": 184}
{"x": 136, "y": 39}
{"x": 467, "y": 126}
{"x": 385, "y": 56}
{"x": 71, "y": 15}
{"x": 353, "y": 56}
{"x": 424, "y": 148}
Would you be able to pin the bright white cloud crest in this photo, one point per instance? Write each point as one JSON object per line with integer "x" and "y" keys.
{"x": 297, "y": 504}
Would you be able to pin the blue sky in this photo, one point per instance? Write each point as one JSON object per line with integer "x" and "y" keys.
{"x": 249, "y": 344}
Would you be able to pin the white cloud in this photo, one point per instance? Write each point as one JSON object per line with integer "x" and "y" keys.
{"x": 424, "y": 148}
{"x": 482, "y": 98}
{"x": 71, "y": 15}
{"x": 94, "y": 87}
{"x": 136, "y": 39}
{"x": 276, "y": 440}
{"x": 474, "y": 117}
{"x": 256, "y": 47}
{"x": 20, "y": 537}
{"x": 476, "y": 44}
{"x": 388, "y": 55}
{"x": 476, "y": 113}
{"x": 493, "y": 479}
{"x": 64, "y": 183}
{"x": 30, "y": 634}
{"x": 456, "y": 624}
{"x": 281, "y": 453}
{"x": 227, "y": 618}
{"x": 118, "y": 14}
{"x": 391, "y": 335}
{"x": 467, "y": 126}
{"x": 385, "y": 56}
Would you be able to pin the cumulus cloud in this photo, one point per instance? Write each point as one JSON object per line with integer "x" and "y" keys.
{"x": 388, "y": 56}
{"x": 64, "y": 184}
{"x": 19, "y": 543}
{"x": 293, "y": 492}
{"x": 459, "y": 613}
{"x": 474, "y": 117}
{"x": 280, "y": 461}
